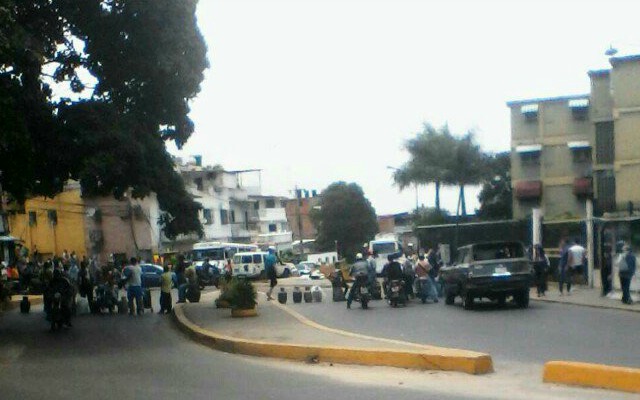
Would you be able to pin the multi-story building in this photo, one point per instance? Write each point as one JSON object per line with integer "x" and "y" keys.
{"x": 233, "y": 208}
{"x": 566, "y": 149}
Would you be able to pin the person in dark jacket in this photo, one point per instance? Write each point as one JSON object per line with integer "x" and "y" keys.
{"x": 605, "y": 270}
{"x": 540, "y": 267}
{"x": 627, "y": 273}
{"x": 564, "y": 274}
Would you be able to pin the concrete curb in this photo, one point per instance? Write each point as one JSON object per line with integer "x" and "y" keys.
{"x": 425, "y": 359}
{"x": 592, "y": 375}
{"x": 635, "y": 310}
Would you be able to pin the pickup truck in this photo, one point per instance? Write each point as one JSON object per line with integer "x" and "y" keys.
{"x": 492, "y": 270}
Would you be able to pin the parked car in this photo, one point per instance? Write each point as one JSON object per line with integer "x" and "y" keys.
{"x": 493, "y": 270}
{"x": 305, "y": 267}
{"x": 151, "y": 274}
{"x": 286, "y": 270}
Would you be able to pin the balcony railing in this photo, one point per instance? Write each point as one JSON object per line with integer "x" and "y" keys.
{"x": 268, "y": 215}
{"x": 528, "y": 190}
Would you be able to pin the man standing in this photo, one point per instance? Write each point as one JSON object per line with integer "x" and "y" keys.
{"x": 270, "y": 269}
{"x": 626, "y": 270}
{"x": 605, "y": 270}
{"x": 133, "y": 277}
{"x": 577, "y": 260}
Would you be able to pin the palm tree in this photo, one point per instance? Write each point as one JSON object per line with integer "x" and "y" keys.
{"x": 429, "y": 153}
{"x": 466, "y": 166}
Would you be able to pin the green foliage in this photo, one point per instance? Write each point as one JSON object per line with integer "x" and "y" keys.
{"x": 132, "y": 66}
{"x": 345, "y": 216}
{"x": 496, "y": 195}
{"x": 429, "y": 216}
{"x": 436, "y": 156}
{"x": 242, "y": 294}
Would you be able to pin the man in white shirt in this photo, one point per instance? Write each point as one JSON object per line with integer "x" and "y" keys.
{"x": 577, "y": 260}
{"x": 133, "y": 275}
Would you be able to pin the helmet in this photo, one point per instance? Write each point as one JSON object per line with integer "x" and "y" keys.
{"x": 359, "y": 256}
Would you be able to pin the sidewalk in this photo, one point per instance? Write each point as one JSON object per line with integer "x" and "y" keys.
{"x": 583, "y": 296}
{"x": 279, "y": 332}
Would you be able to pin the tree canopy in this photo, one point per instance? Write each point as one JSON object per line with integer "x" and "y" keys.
{"x": 346, "y": 216}
{"x": 436, "y": 156}
{"x": 496, "y": 195}
{"x": 91, "y": 91}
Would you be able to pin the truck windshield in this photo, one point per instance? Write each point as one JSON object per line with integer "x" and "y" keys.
{"x": 384, "y": 248}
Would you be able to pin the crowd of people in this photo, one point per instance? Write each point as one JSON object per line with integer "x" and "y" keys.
{"x": 418, "y": 271}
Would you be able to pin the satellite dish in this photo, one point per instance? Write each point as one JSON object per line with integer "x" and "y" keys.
{"x": 611, "y": 51}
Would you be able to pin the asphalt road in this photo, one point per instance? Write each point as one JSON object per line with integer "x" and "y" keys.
{"x": 122, "y": 357}
{"x": 543, "y": 332}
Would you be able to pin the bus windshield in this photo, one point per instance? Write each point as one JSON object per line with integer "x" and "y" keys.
{"x": 212, "y": 254}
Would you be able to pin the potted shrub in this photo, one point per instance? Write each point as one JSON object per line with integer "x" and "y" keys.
{"x": 242, "y": 296}
{"x": 226, "y": 288}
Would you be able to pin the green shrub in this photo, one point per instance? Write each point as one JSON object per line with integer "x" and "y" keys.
{"x": 241, "y": 294}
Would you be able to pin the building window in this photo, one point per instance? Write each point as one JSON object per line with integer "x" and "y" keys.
{"x": 233, "y": 216}
{"x": 52, "y": 215}
{"x": 582, "y": 155}
{"x": 529, "y": 154}
{"x": 606, "y": 190}
{"x": 283, "y": 226}
{"x": 579, "y": 108}
{"x": 198, "y": 182}
{"x": 273, "y": 228}
{"x": 33, "y": 218}
{"x": 224, "y": 217}
{"x": 270, "y": 203}
{"x": 208, "y": 216}
{"x": 530, "y": 111}
{"x": 256, "y": 205}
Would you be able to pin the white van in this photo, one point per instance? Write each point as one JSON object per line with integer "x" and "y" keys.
{"x": 249, "y": 264}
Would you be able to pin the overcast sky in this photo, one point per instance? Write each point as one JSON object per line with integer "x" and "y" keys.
{"x": 316, "y": 91}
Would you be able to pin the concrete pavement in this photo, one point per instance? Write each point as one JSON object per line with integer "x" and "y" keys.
{"x": 281, "y": 333}
{"x": 584, "y": 296}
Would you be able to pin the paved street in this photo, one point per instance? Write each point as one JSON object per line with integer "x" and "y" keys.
{"x": 544, "y": 332}
{"x": 147, "y": 358}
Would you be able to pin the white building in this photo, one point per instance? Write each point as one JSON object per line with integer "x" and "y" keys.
{"x": 233, "y": 208}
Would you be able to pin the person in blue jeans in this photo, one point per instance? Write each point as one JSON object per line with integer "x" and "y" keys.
{"x": 133, "y": 277}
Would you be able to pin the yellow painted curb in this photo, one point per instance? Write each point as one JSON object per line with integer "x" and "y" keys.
{"x": 592, "y": 375}
{"x": 427, "y": 358}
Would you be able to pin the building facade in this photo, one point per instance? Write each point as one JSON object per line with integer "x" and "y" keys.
{"x": 567, "y": 149}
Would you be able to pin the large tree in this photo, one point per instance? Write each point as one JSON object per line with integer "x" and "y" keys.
{"x": 496, "y": 194}
{"x": 429, "y": 152}
{"x": 91, "y": 90}
{"x": 346, "y": 218}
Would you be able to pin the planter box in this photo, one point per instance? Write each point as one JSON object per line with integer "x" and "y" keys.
{"x": 239, "y": 313}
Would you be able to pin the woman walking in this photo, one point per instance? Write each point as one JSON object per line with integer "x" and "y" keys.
{"x": 540, "y": 267}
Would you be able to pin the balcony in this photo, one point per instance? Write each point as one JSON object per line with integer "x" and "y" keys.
{"x": 528, "y": 190}
{"x": 583, "y": 186}
{"x": 268, "y": 215}
{"x": 274, "y": 238}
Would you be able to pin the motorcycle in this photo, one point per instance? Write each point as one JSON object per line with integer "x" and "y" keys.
{"x": 363, "y": 295}
{"x": 396, "y": 293}
{"x": 106, "y": 298}
{"x": 207, "y": 278}
{"x": 59, "y": 313}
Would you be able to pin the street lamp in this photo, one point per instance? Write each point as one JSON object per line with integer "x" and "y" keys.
{"x": 414, "y": 184}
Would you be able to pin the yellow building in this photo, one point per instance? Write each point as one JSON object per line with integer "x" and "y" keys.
{"x": 52, "y": 225}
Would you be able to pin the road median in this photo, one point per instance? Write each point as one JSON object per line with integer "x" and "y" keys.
{"x": 370, "y": 353}
{"x": 592, "y": 375}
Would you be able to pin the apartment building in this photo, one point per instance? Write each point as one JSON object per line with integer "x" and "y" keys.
{"x": 570, "y": 148}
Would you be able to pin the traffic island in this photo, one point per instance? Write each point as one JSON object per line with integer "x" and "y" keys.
{"x": 592, "y": 375}
{"x": 276, "y": 334}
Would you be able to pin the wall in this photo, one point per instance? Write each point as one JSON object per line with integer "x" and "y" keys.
{"x": 68, "y": 233}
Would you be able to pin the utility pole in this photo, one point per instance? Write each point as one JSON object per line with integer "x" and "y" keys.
{"x": 590, "y": 258}
{"x": 299, "y": 202}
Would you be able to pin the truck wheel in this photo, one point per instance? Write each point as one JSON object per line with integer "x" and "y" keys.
{"x": 502, "y": 299}
{"x": 449, "y": 297}
{"x": 467, "y": 301}
{"x": 286, "y": 273}
{"x": 522, "y": 299}
{"x": 364, "y": 303}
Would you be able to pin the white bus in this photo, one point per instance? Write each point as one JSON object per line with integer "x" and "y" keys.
{"x": 218, "y": 252}
{"x": 382, "y": 248}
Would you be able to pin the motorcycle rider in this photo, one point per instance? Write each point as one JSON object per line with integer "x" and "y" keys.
{"x": 392, "y": 271}
{"x": 357, "y": 269}
{"x": 60, "y": 284}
